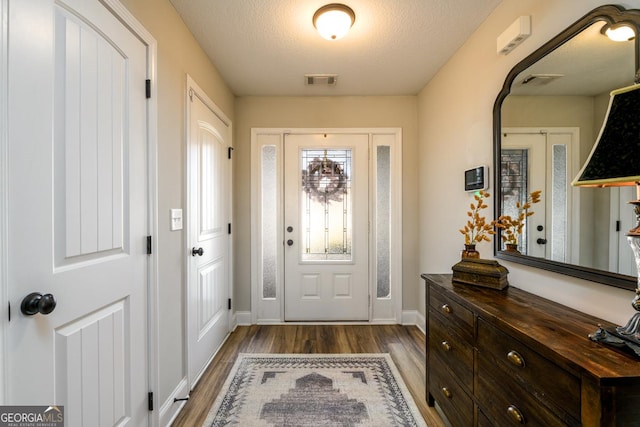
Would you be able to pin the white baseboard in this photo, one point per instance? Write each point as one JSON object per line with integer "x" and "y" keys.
{"x": 409, "y": 317}
{"x": 414, "y": 317}
{"x": 170, "y": 409}
{"x": 243, "y": 318}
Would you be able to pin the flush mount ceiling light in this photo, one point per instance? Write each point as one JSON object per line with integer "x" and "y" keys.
{"x": 620, "y": 32}
{"x": 334, "y": 20}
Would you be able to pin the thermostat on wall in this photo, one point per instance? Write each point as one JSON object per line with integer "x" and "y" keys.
{"x": 476, "y": 179}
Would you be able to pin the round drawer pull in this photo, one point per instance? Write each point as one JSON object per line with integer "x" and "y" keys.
{"x": 515, "y": 358}
{"x": 515, "y": 414}
{"x": 446, "y": 308}
{"x": 446, "y": 346}
{"x": 447, "y": 393}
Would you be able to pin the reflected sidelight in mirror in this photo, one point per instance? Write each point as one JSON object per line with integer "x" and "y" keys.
{"x": 546, "y": 120}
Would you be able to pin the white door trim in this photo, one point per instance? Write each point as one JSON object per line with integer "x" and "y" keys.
{"x": 271, "y": 310}
{"x": 193, "y": 89}
{"x": 153, "y": 341}
{"x": 4, "y": 289}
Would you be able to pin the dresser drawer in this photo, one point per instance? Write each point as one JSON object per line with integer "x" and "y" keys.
{"x": 483, "y": 420}
{"x": 450, "y": 350}
{"x": 460, "y": 319}
{"x": 506, "y": 403}
{"x": 454, "y": 401}
{"x": 549, "y": 383}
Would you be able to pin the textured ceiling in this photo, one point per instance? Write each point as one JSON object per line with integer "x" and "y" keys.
{"x": 265, "y": 47}
{"x": 590, "y": 64}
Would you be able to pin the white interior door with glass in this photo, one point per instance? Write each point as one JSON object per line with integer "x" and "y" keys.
{"x": 77, "y": 213}
{"x": 326, "y": 227}
{"x": 540, "y": 159}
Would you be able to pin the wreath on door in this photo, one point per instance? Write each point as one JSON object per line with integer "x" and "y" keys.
{"x": 324, "y": 180}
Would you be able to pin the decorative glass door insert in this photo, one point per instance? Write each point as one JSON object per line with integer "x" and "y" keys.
{"x": 326, "y": 205}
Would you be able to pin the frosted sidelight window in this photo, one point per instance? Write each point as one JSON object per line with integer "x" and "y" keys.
{"x": 269, "y": 225}
{"x": 514, "y": 187}
{"x": 559, "y": 203}
{"x": 383, "y": 221}
{"x": 326, "y": 205}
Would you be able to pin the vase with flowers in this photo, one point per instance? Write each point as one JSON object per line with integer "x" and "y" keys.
{"x": 477, "y": 228}
{"x": 512, "y": 227}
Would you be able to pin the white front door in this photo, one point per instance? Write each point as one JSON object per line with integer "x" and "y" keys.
{"x": 548, "y": 165}
{"x": 209, "y": 220}
{"x": 524, "y": 171}
{"x": 326, "y": 227}
{"x": 77, "y": 213}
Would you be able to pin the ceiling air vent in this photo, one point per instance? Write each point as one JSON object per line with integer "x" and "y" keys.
{"x": 320, "y": 79}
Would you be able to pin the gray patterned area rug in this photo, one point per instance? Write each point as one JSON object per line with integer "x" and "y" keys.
{"x": 314, "y": 390}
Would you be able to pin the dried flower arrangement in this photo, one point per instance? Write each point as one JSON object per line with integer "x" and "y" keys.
{"x": 512, "y": 227}
{"x": 477, "y": 228}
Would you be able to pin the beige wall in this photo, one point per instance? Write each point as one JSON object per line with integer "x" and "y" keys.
{"x": 325, "y": 112}
{"x": 553, "y": 111}
{"x": 455, "y": 128}
{"x": 178, "y": 54}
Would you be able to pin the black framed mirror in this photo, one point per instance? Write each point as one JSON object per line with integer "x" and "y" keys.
{"x": 545, "y": 120}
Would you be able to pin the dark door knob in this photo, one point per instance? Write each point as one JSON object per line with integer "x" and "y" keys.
{"x": 35, "y": 303}
{"x": 541, "y": 241}
{"x": 290, "y": 242}
{"x": 197, "y": 251}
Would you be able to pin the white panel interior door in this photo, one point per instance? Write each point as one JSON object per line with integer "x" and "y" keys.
{"x": 622, "y": 258}
{"x": 78, "y": 212}
{"x": 208, "y": 284}
{"x": 326, "y": 227}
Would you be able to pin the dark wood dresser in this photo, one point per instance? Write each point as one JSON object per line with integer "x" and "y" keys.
{"x": 501, "y": 358}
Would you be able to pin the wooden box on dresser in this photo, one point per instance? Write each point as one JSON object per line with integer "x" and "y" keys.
{"x": 500, "y": 358}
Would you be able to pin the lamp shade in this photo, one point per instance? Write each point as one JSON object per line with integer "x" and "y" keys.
{"x": 615, "y": 157}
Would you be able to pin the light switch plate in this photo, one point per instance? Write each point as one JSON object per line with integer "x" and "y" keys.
{"x": 176, "y": 219}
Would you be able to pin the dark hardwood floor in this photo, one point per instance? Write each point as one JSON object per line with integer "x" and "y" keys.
{"x": 405, "y": 344}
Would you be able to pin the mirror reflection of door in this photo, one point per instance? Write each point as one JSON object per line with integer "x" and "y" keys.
{"x": 568, "y": 83}
{"x": 539, "y": 159}
{"x": 623, "y": 219}
{"x": 523, "y": 170}
{"x": 326, "y": 227}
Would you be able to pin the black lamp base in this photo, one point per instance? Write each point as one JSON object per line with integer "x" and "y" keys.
{"x": 612, "y": 337}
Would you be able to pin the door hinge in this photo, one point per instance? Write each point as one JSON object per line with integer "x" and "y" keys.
{"x": 150, "y": 400}
{"x": 148, "y": 245}
{"x": 229, "y": 228}
{"x": 191, "y": 95}
{"x": 229, "y": 150}
{"x": 229, "y": 304}
{"x": 147, "y": 87}
{"x": 617, "y": 225}
{"x": 9, "y": 311}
